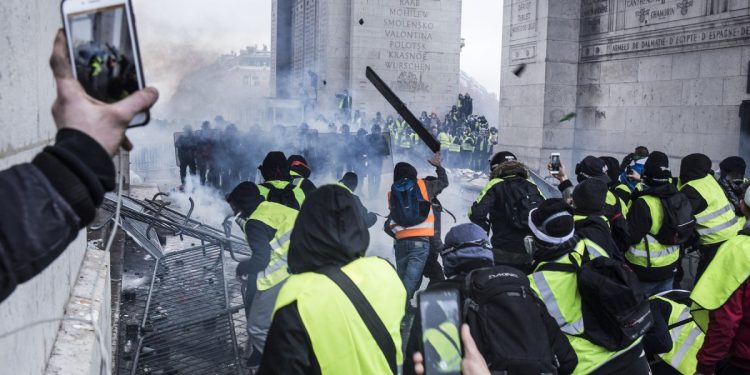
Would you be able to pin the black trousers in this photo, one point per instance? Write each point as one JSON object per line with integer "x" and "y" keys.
{"x": 186, "y": 165}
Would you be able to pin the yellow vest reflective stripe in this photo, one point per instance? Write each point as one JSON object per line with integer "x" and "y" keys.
{"x": 661, "y": 255}
{"x": 718, "y": 221}
{"x": 487, "y": 188}
{"x": 687, "y": 339}
{"x": 559, "y": 291}
{"x": 446, "y": 343}
{"x": 344, "y": 186}
{"x": 340, "y": 339}
{"x": 299, "y": 194}
{"x": 445, "y": 140}
{"x": 724, "y": 275}
{"x": 615, "y": 201}
{"x": 282, "y": 219}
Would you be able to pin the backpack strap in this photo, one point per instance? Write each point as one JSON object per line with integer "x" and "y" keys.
{"x": 371, "y": 319}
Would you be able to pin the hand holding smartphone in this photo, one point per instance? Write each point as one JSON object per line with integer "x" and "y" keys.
{"x": 554, "y": 163}
{"x": 440, "y": 313}
{"x": 103, "y": 50}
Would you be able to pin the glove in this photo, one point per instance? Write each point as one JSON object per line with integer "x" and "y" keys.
{"x": 243, "y": 268}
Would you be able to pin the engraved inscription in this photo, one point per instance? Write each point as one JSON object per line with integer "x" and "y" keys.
{"x": 640, "y": 13}
{"x": 523, "y": 19}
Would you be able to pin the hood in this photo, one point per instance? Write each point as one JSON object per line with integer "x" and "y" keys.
{"x": 404, "y": 170}
{"x": 693, "y": 167}
{"x": 508, "y": 168}
{"x": 245, "y": 198}
{"x": 275, "y": 167}
{"x": 613, "y": 169}
{"x": 329, "y": 231}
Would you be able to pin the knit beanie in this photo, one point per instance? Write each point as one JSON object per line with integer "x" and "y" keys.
{"x": 501, "y": 157}
{"x": 465, "y": 243}
{"x": 590, "y": 196}
{"x": 733, "y": 165}
{"x": 592, "y": 167}
{"x": 656, "y": 171}
{"x": 275, "y": 167}
{"x": 694, "y": 166}
{"x": 350, "y": 180}
{"x": 404, "y": 170}
{"x": 552, "y": 222}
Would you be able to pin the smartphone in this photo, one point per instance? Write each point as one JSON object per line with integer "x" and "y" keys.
{"x": 554, "y": 162}
{"x": 440, "y": 312}
{"x": 103, "y": 49}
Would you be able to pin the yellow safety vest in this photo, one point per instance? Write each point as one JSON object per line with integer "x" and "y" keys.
{"x": 299, "y": 194}
{"x": 340, "y": 339}
{"x": 615, "y": 201}
{"x": 491, "y": 184}
{"x": 281, "y": 218}
{"x": 718, "y": 221}
{"x": 729, "y": 269}
{"x": 446, "y": 342}
{"x": 454, "y": 147}
{"x": 687, "y": 339}
{"x": 660, "y": 255}
{"x": 559, "y": 291}
{"x": 466, "y": 145}
{"x": 445, "y": 140}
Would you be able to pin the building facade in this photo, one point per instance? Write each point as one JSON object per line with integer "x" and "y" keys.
{"x": 670, "y": 75}
{"x": 321, "y": 48}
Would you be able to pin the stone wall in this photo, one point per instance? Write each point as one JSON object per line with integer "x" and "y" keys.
{"x": 26, "y": 93}
{"x": 414, "y": 45}
{"x": 669, "y": 75}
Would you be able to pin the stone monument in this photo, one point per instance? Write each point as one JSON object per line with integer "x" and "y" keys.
{"x": 667, "y": 74}
{"x": 321, "y": 48}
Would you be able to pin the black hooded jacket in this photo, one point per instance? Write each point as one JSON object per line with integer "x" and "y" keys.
{"x": 694, "y": 167}
{"x": 594, "y": 228}
{"x": 329, "y": 231}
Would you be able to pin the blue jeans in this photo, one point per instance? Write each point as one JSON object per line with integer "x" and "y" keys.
{"x": 411, "y": 256}
{"x": 651, "y": 288}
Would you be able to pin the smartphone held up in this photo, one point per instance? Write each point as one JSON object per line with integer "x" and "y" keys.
{"x": 103, "y": 49}
{"x": 554, "y": 163}
{"x": 440, "y": 313}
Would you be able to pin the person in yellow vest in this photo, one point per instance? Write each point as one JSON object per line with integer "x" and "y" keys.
{"x": 732, "y": 180}
{"x": 316, "y": 326}
{"x": 468, "y": 143}
{"x": 454, "y": 150}
{"x": 412, "y": 242}
{"x": 673, "y": 341}
{"x": 715, "y": 219}
{"x": 609, "y": 208}
{"x": 722, "y": 306}
{"x": 268, "y": 229}
{"x": 653, "y": 262}
{"x": 300, "y": 171}
{"x": 446, "y": 141}
{"x": 620, "y": 192}
{"x": 277, "y": 186}
{"x": 349, "y": 181}
{"x": 555, "y": 242}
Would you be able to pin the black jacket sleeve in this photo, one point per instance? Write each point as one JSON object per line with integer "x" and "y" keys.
{"x": 45, "y": 204}
{"x": 639, "y": 221}
{"x": 696, "y": 200}
{"x": 259, "y": 236}
{"x": 370, "y": 218}
{"x": 288, "y": 348}
{"x": 564, "y": 185}
{"x": 307, "y": 186}
{"x": 657, "y": 339}
{"x": 480, "y": 211}
{"x": 561, "y": 347}
{"x": 436, "y": 187}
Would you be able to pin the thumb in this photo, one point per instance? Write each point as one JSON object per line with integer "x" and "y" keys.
{"x": 137, "y": 102}
{"x": 470, "y": 347}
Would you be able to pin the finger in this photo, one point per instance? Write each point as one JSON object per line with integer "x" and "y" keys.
{"x": 136, "y": 103}
{"x": 59, "y": 59}
{"x": 470, "y": 347}
{"x": 126, "y": 144}
{"x": 418, "y": 363}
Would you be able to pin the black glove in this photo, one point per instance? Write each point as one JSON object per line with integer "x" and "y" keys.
{"x": 243, "y": 268}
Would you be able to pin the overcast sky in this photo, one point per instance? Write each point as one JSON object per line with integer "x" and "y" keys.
{"x": 177, "y": 35}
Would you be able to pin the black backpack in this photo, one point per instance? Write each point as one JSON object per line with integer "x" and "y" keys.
{"x": 283, "y": 196}
{"x": 519, "y": 197}
{"x": 408, "y": 206}
{"x": 679, "y": 223}
{"x": 615, "y": 313}
{"x": 505, "y": 317}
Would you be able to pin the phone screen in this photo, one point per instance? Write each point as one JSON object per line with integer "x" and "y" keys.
{"x": 441, "y": 323}
{"x": 103, "y": 52}
{"x": 554, "y": 161}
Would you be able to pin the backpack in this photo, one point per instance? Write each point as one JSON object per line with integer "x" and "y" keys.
{"x": 283, "y": 196}
{"x": 408, "y": 206}
{"x": 506, "y": 321}
{"x": 679, "y": 224}
{"x": 519, "y": 197}
{"x": 615, "y": 312}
